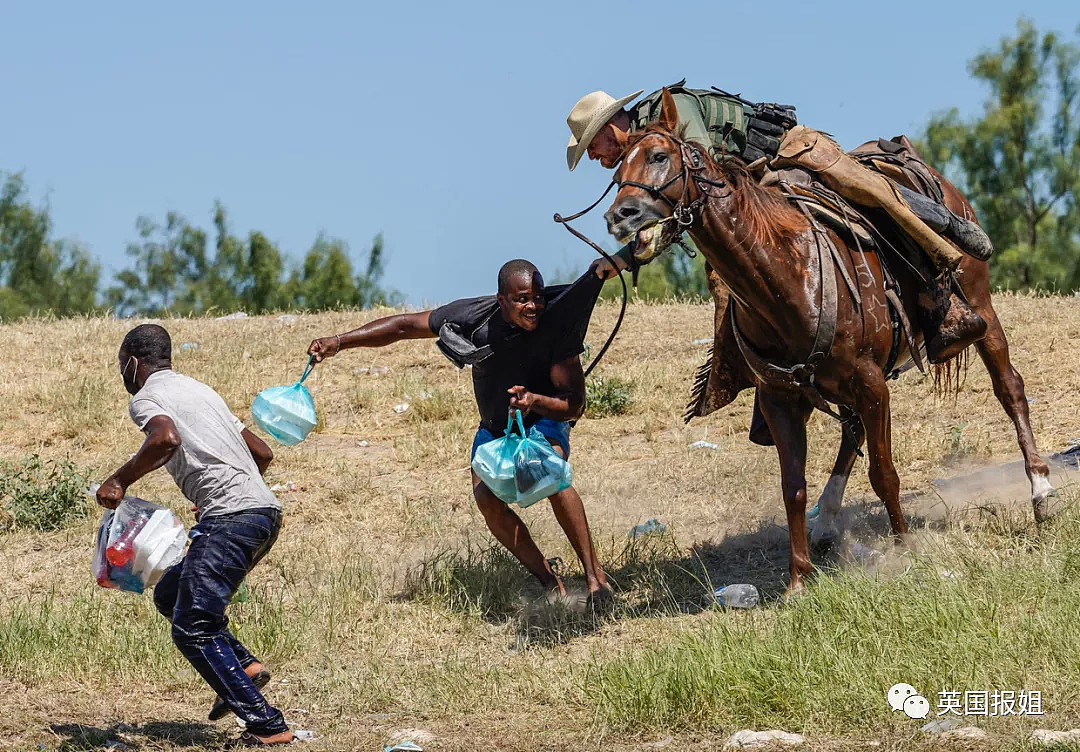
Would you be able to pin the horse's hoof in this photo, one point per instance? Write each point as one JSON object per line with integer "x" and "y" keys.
{"x": 793, "y": 592}
{"x": 904, "y": 541}
{"x": 1042, "y": 509}
{"x": 1040, "y": 503}
{"x": 823, "y": 544}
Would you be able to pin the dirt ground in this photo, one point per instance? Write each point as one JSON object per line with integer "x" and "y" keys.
{"x": 380, "y": 494}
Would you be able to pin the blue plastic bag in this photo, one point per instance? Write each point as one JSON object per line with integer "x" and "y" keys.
{"x": 286, "y": 412}
{"x": 494, "y": 463}
{"x": 521, "y": 468}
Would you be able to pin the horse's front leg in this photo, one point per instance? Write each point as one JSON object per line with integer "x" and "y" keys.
{"x": 826, "y": 527}
{"x": 786, "y": 415}
{"x": 872, "y": 404}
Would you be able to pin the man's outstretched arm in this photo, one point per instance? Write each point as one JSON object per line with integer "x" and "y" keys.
{"x": 380, "y": 332}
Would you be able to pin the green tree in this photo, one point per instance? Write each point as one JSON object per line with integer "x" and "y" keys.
{"x": 170, "y": 266}
{"x": 266, "y": 268}
{"x": 228, "y": 281}
{"x": 1019, "y": 162}
{"x": 325, "y": 280}
{"x": 37, "y": 273}
{"x": 369, "y": 289}
{"x": 174, "y": 271}
{"x": 673, "y": 275}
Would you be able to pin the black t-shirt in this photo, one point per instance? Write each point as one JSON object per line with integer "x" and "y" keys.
{"x": 518, "y": 357}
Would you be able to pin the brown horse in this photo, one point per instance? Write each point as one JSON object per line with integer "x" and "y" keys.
{"x": 769, "y": 256}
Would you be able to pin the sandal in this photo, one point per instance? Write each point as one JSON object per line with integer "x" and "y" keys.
{"x": 220, "y": 708}
{"x": 248, "y": 739}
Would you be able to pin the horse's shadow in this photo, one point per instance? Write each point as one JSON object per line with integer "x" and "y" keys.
{"x": 77, "y": 737}
{"x": 653, "y": 576}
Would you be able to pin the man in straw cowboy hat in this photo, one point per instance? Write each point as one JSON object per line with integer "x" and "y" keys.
{"x": 767, "y": 135}
{"x": 717, "y": 122}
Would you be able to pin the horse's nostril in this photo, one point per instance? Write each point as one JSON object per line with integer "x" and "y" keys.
{"x": 626, "y": 212}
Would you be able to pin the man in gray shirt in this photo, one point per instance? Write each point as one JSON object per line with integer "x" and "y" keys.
{"x": 218, "y": 465}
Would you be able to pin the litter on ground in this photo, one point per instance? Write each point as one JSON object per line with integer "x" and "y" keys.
{"x": 649, "y": 527}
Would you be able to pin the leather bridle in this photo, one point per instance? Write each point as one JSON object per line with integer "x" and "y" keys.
{"x": 684, "y": 210}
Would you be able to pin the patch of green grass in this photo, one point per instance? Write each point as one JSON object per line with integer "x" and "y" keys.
{"x": 822, "y": 663}
{"x": 484, "y": 581}
{"x": 109, "y": 635}
{"x": 608, "y": 396}
{"x": 42, "y": 495}
{"x": 103, "y": 635}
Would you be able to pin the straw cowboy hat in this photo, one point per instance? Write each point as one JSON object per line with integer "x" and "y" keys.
{"x": 589, "y": 115}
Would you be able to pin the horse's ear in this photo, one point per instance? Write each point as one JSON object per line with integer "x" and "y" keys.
{"x": 622, "y": 138}
{"x": 669, "y": 113}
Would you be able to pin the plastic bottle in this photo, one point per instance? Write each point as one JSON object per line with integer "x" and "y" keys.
{"x": 122, "y": 550}
{"x": 649, "y": 527}
{"x": 737, "y": 596}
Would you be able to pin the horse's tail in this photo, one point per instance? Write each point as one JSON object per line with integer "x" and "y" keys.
{"x": 951, "y": 375}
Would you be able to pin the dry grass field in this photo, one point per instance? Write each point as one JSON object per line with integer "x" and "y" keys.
{"x": 384, "y": 607}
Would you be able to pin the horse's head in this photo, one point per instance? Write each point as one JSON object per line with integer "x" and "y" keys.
{"x": 655, "y": 185}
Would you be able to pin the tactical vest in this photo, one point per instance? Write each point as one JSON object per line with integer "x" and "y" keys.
{"x": 736, "y": 127}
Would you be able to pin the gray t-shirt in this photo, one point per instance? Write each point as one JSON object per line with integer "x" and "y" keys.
{"x": 213, "y": 466}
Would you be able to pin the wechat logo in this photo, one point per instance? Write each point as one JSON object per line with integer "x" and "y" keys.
{"x": 906, "y": 698}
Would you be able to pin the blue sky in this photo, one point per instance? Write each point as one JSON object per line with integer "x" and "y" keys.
{"x": 441, "y": 125}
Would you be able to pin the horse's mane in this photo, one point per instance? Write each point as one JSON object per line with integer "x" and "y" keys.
{"x": 769, "y": 219}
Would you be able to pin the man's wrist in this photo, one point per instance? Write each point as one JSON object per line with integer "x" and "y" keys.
{"x": 123, "y": 476}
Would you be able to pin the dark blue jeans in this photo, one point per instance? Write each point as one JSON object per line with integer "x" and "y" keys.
{"x": 193, "y": 596}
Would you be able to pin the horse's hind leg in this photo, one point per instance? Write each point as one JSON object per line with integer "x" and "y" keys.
{"x": 826, "y": 528}
{"x": 1009, "y": 389}
{"x": 873, "y": 408}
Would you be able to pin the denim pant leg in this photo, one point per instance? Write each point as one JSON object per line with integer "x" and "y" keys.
{"x": 165, "y": 601}
{"x": 216, "y": 562}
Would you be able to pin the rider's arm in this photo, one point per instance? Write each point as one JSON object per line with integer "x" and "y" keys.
{"x": 380, "y": 332}
{"x": 690, "y": 120}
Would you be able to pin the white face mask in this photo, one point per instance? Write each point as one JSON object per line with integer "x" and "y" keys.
{"x": 130, "y": 385}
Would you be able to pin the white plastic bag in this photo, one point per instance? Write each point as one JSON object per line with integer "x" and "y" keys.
{"x": 136, "y": 543}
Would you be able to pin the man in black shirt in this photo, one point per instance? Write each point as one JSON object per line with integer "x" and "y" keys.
{"x": 530, "y": 362}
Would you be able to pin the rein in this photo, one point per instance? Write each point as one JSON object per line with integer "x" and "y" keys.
{"x": 682, "y": 212}
{"x": 565, "y": 222}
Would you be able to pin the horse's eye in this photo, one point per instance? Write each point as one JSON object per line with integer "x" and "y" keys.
{"x": 659, "y": 157}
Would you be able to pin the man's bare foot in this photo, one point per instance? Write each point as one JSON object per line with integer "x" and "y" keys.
{"x": 283, "y": 738}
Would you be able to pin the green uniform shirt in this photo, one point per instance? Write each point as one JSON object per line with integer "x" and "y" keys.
{"x": 712, "y": 120}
